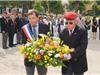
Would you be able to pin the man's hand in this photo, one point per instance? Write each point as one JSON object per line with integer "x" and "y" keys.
{"x": 72, "y": 49}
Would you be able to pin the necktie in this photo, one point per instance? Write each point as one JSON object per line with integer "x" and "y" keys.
{"x": 71, "y": 32}
{"x": 34, "y": 32}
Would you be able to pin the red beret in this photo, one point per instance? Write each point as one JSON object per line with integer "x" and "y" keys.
{"x": 70, "y": 15}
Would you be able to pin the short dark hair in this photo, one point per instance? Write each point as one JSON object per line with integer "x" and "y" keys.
{"x": 36, "y": 13}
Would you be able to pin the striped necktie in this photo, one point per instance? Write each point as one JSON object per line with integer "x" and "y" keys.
{"x": 34, "y": 32}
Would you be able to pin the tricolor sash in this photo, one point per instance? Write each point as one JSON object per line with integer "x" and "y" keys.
{"x": 27, "y": 31}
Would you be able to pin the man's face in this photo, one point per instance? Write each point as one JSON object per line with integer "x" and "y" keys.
{"x": 5, "y": 14}
{"x": 20, "y": 15}
{"x": 71, "y": 24}
{"x": 33, "y": 19}
{"x": 15, "y": 13}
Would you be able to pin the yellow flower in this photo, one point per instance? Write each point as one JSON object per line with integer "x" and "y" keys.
{"x": 45, "y": 61}
{"x": 50, "y": 60}
{"x": 46, "y": 57}
{"x": 27, "y": 53}
{"x": 65, "y": 49}
{"x": 44, "y": 47}
{"x": 51, "y": 46}
{"x": 43, "y": 36}
{"x": 41, "y": 46}
{"x": 21, "y": 48}
{"x": 38, "y": 42}
{"x": 61, "y": 55}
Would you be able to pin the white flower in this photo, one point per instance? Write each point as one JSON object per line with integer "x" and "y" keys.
{"x": 57, "y": 55}
{"x": 50, "y": 54}
{"x": 37, "y": 52}
{"x": 67, "y": 56}
{"x": 27, "y": 44}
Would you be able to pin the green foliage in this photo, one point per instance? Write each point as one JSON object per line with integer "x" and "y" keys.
{"x": 37, "y": 6}
{"x": 45, "y": 5}
{"x": 50, "y": 6}
{"x": 96, "y": 6}
{"x": 76, "y": 5}
{"x": 56, "y": 7}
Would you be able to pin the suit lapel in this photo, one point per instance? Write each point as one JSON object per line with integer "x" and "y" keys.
{"x": 75, "y": 31}
{"x": 30, "y": 28}
{"x": 67, "y": 33}
{"x": 5, "y": 20}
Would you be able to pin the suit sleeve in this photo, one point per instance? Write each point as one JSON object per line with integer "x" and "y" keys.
{"x": 81, "y": 49}
{"x": 24, "y": 38}
{"x": 46, "y": 29}
{"x": 2, "y": 24}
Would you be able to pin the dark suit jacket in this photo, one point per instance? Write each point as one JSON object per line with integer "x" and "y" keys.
{"x": 99, "y": 24}
{"x": 79, "y": 41}
{"x": 43, "y": 29}
{"x": 4, "y": 25}
{"x": 12, "y": 26}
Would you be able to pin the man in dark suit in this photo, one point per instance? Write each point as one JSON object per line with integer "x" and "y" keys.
{"x": 99, "y": 28}
{"x": 77, "y": 40}
{"x": 4, "y": 29}
{"x": 36, "y": 28}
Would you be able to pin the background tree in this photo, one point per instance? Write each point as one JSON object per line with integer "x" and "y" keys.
{"x": 96, "y": 7}
{"x": 37, "y": 6}
{"x": 77, "y": 5}
{"x": 55, "y": 7}
{"x": 45, "y": 5}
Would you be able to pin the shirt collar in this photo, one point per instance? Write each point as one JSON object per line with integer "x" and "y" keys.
{"x": 72, "y": 30}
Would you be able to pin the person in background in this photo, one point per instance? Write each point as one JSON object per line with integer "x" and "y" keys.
{"x": 99, "y": 28}
{"x": 13, "y": 28}
{"x": 50, "y": 24}
{"x": 94, "y": 27}
{"x": 88, "y": 26}
{"x": 41, "y": 19}
{"x": 63, "y": 21}
{"x": 0, "y": 23}
{"x": 25, "y": 18}
{"x": 58, "y": 23}
{"x": 4, "y": 29}
{"x": 20, "y": 22}
{"x": 76, "y": 38}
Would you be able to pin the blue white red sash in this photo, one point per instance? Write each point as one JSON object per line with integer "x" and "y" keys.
{"x": 27, "y": 31}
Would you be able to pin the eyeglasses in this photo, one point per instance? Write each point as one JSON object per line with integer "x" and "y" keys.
{"x": 69, "y": 23}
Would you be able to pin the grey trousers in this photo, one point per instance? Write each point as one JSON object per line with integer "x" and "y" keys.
{"x": 99, "y": 33}
{"x": 40, "y": 69}
{"x": 4, "y": 40}
{"x": 68, "y": 71}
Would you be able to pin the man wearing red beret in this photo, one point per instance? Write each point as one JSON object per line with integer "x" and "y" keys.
{"x": 76, "y": 38}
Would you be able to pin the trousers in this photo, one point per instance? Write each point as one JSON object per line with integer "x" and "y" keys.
{"x": 40, "y": 69}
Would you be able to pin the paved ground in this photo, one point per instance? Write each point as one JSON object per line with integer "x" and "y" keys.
{"x": 11, "y": 61}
